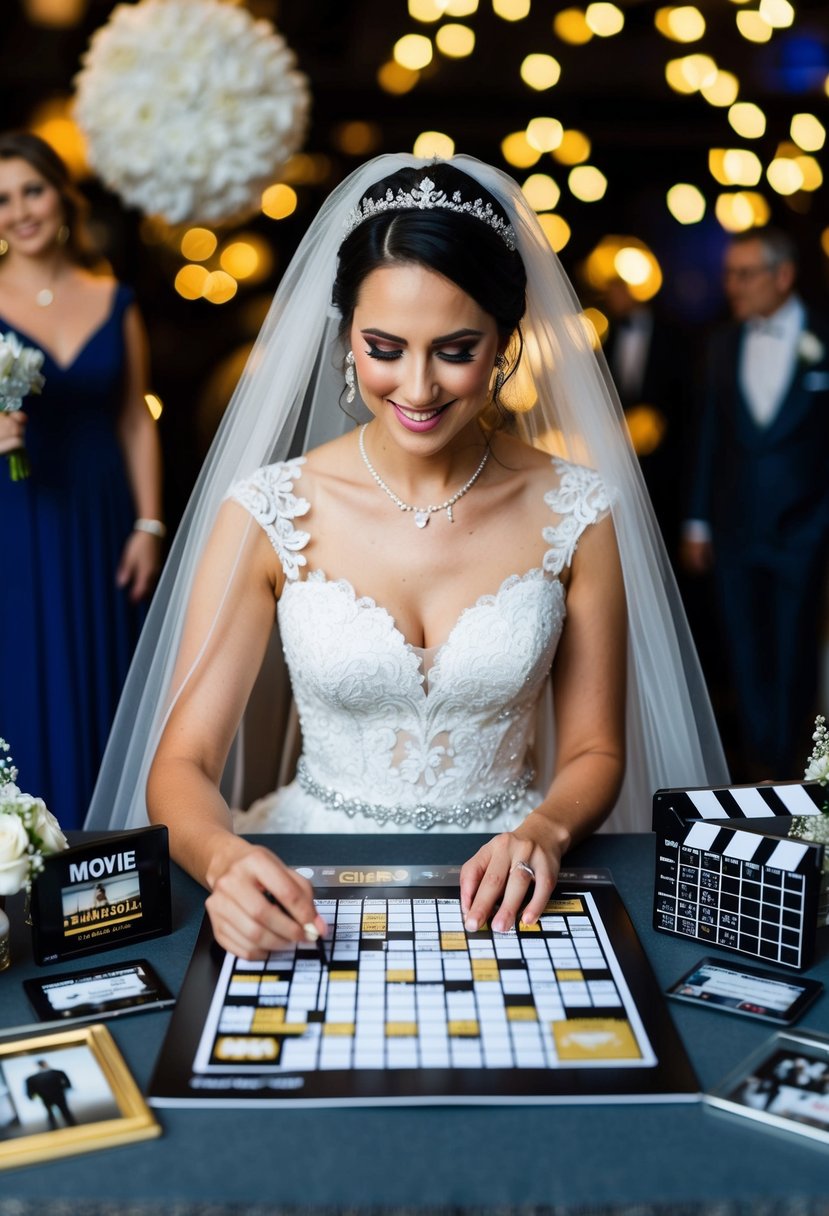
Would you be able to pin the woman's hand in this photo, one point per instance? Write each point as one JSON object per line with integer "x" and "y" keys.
{"x": 12, "y": 431}
{"x": 139, "y": 565}
{"x": 258, "y": 904}
{"x": 506, "y": 867}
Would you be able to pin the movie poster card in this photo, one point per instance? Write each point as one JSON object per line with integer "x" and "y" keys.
{"x": 110, "y": 893}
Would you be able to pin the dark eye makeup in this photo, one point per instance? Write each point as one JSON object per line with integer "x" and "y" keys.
{"x": 462, "y": 354}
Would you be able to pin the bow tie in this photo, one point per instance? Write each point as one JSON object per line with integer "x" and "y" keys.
{"x": 760, "y": 325}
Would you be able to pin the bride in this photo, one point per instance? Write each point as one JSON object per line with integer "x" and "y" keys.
{"x": 472, "y": 600}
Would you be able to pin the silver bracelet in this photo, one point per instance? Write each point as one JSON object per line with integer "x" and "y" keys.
{"x": 154, "y": 526}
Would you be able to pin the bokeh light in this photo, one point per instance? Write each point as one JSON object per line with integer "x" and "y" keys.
{"x": 358, "y": 138}
{"x": 155, "y": 405}
{"x": 587, "y": 183}
{"x": 541, "y": 192}
{"x": 518, "y": 151}
{"x": 570, "y": 25}
{"x": 393, "y": 78}
{"x": 574, "y": 149}
{"x": 604, "y": 19}
{"x": 426, "y": 10}
{"x": 455, "y": 41}
{"x": 540, "y": 71}
{"x": 544, "y": 134}
{"x": 686, "y": 203}
{"x": 752, "y": 26}
{"x": 511, "y": 10}
{"x": 556, "y": 229}
{"x": 279, "y": 201}
{"x": 434, "y": 143}
{"x": 682, "y": 24}
{"x": 785, "y": 175}
{"x": 808, "y": 132}
{"x": 723, "y": 90}
{"x": 198, "y": 244}
{"x": 747, "y": 119}
{"x": 735, "y": 166}
{"x": 413, "y": 51}
{"x": 190, "y": 281}
{"x": 779, "y": 14}
{"x": 219, "y": 287}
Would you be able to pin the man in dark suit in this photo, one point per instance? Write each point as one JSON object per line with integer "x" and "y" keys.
{"x": 50, "y": 1085}
{"x": 760, "y": 499}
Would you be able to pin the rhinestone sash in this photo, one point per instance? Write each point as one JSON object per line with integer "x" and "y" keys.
{"x": 421, "y": 816}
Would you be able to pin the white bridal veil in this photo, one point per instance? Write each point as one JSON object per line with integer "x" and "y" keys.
{"x": 286, "y": 402}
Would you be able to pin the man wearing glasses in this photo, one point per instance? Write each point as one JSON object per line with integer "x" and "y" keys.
{"x": 759, "y": 513}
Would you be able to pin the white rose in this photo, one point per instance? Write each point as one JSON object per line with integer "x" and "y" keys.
{"x": 6, "y": 359}
{"x": 809, "y": 347}
{"x": 14, "y": 857}
{"x": 818, "y": 770}
{"x": 46, "y": 826}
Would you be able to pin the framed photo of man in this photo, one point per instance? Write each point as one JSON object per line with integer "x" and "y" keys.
{"x": 67, "y": 1092}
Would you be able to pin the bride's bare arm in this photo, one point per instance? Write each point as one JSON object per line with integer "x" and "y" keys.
{"x": 229, "y": 622}
{"x": 589, "y": 681}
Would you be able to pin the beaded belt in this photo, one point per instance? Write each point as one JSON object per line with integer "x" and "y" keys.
{"x": 420, "y": 816}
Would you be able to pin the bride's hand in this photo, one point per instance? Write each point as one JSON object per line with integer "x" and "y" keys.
{"x": 258, "y": 904}
{"x": 505, "y": 868}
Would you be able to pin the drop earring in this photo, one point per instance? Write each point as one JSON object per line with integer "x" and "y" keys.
{"x": 350, "y": 377}
{"x": 63, "y": 234}
{"x": 500, "y": 364}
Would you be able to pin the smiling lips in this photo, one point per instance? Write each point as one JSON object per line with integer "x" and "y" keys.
{"x": 418, "y": 420}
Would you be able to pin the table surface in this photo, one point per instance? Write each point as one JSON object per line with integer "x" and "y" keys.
{"x": 601, "y": 1157}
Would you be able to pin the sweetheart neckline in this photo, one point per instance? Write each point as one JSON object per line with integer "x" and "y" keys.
{"x": 320, "y": 578}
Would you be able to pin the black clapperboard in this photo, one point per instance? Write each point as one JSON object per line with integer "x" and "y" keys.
{"x": 728, "y": 875}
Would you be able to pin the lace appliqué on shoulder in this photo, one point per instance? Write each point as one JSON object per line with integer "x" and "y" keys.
{"x": 580, "y": 499}
{"x": 268, "y": 494}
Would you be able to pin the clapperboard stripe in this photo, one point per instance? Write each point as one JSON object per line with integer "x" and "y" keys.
{"x": 748, "y": 802}
{"x": 746, "y": 846}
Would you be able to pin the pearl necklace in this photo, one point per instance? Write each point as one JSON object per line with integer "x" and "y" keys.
{"x": 421, "y": 514}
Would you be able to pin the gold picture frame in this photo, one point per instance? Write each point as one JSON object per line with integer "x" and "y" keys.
{"x": 67, "y": 1092}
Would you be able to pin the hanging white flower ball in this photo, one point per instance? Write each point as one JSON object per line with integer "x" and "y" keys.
{"x": 190, "y": 107}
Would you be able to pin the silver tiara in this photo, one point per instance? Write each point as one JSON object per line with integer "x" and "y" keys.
{"x": 426, "y": 197}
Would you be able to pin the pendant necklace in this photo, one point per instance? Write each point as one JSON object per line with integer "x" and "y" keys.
{"x": 422, "y": 515}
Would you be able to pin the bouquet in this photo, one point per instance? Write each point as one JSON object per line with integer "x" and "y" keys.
{"x": 28, "y": 831}
{"x": 816, "y": 827}
{"x": 20, "y": 375}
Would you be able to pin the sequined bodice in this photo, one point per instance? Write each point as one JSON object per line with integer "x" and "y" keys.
{"x": 387, "y": 721}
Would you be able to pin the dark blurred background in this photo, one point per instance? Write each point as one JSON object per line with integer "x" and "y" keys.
{"x": 640, "y": 133}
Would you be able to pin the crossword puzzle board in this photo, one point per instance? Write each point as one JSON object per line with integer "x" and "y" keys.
{"x": 411, "y": 1008}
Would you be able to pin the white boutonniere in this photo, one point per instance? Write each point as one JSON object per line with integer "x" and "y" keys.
{"x": 816, "y": 827}
{"x": 810, "y": 349}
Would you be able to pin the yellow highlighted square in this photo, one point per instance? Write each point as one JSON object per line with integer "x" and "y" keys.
{"x": 374, "y": 922}
{"x": 267, "y": 1019}
{"x": 521, "y": 1013}
{"x": 557, "y": 906}
{"x": 400, "y": 977}
{"x": 525, "y": 928}
{"x": 245, "y": 977}
{"x": 239, "y": 1047}
{"x": 464, "y": 1029}
{"x": 595, "y": 1039}
{"x": 485, "y": 969}
{"x": 400, "y": 1030}
{"x": 344, "y": 1029}
{"x": 572, "y": 976}
{"x": 342, "y": 975}
{"x": 453, "y": 941}
{"x": 292, "y": 1028}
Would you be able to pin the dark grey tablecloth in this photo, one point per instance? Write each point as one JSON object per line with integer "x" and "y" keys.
{"x": 515, "y": 1161}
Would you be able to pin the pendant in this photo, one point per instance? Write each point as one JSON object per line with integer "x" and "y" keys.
{"x": 421, "y": 518}
{"x": 45, "y": 297}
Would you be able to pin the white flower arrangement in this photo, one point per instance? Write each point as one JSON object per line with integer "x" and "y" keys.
{"x": 190, "y": 107}
{"x": 809, "y": 347}
{"x": 20, "y": 376}
{"x": 28, "y": 831}
{"x": 816, "y": 827}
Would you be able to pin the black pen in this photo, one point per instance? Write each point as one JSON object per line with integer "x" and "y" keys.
{"x": 312, "y": 933}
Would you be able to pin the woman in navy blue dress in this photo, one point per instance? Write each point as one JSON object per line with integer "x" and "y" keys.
{"x": 81, "y": 536}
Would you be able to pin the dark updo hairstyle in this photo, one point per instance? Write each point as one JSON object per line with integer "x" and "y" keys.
{"x": 24, "y": 145}
{"x": 464, "y": 249}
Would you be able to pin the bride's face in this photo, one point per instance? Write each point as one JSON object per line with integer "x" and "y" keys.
{"x": 424, "y": 353}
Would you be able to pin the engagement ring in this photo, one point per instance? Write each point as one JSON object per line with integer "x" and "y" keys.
{"x": 522, "y": 865}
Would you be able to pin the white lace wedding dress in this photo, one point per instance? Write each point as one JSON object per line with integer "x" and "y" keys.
{"x": 401, "y": 739}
